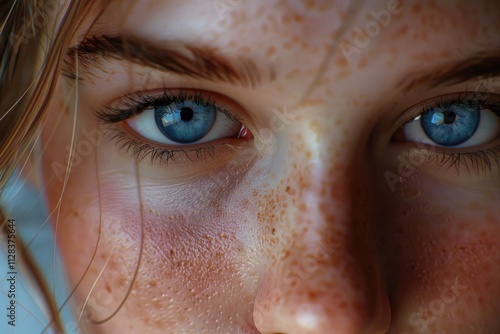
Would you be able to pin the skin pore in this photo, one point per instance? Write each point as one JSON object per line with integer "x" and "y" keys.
{"x": 310, "y": 224}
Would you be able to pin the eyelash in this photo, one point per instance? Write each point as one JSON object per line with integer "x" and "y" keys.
{"x": 134, "y": 105}
{"x": 467, "y": 98}
{"x": 482, "y": 160}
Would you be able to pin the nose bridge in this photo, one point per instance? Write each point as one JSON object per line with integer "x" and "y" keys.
{"x": 325, "y": 207}
{"x": 325, "y": 276}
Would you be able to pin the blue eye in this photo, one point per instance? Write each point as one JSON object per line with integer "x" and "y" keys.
{"x": 450, "y": 126}
{"x": 455, "y": 123}
{"x": 185, "y": 122}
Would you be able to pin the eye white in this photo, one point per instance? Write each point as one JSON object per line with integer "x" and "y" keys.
{"x": 145, "y": 126}
{"x": 487, "y": 130}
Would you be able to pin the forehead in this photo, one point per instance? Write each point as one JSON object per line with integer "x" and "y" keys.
{"x": 390, "y": 38}
{"x": 231, "y": 13}
{"x": 273, "y": 16}
{"x": 261, "y": 27}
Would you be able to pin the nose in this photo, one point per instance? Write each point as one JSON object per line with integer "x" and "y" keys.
{"x": 324, "y": 278}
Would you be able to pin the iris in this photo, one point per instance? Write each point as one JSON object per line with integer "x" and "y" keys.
{"x": 451, "y": 125}
{"x": 185, "y": 122}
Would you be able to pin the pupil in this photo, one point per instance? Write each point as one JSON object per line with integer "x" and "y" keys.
{"x": 186, "y": 114}
{"x": 449, "y": 117}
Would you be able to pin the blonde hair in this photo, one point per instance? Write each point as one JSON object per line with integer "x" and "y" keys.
{"x": 33, "y": 33}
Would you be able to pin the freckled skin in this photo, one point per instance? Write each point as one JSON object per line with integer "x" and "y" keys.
{"x": 303, "y": 235}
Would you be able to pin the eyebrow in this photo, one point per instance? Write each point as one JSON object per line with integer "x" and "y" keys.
{"x": 207, "y": 64}
{"x": 174, "y": 57}
{"x": 479, "y": 65}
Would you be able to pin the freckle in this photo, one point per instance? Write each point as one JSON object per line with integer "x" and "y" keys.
{"x": 343, "y": 75}
{"x": 304, "y": 183}
{"x": 315, "y": 126}
{"x": 271, "y": 51}
{"x": 330, "y": 219}
{"x": 402, "y": 31}
{"x": 287, "y": 46}
{"x": 292, "y": 74}
{"x": 362, "y": 64}
{"x": 298, "y": 18}
{"x": 341, "y": 62}
{"x": 323, "y": 207}
{"x": 286, "y": 255}
{"x": 302, "y": 207}
{"x": 309, "y": 4}
{"x": 308, "y": 154}
{"x": 416, "y": 8}
{"x": 232, "y": 44}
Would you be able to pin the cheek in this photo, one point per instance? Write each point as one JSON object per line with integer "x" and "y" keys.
{"x": 174, "y": 252}
{"x": 440, "y": 255}
{"x": 180, "y": 262}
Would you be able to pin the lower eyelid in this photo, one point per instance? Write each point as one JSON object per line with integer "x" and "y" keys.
{"x": 460, "y": 167}
{"x": 404, "y": 159}
{"x": 143, "y": 150}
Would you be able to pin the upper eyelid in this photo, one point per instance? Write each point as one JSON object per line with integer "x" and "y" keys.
{"x": 417, "y": 109}
{"x": 481, "y": 87}
{"x": 134, "y": 104}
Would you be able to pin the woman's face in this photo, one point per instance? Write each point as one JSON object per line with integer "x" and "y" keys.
{"x": 250, "y": 167}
